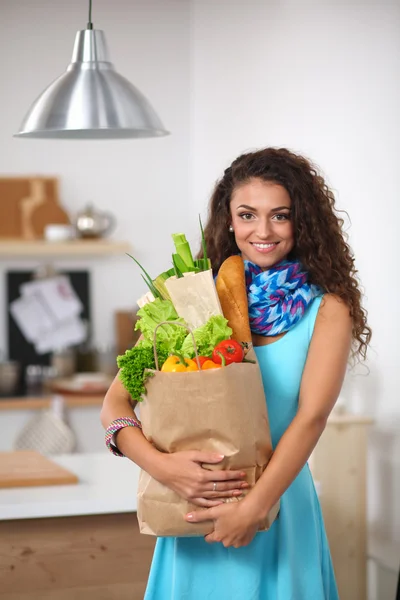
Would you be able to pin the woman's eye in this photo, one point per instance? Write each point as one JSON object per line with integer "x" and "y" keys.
{"x": 282, "y": 217}
{"x": 277, "y": 217}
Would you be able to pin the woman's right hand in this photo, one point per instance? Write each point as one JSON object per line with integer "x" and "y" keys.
{"x": 182, "y": 472}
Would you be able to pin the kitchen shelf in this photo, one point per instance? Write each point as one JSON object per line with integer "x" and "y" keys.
{"x": 39, "y": 402}
{"x": 23, "y": 248}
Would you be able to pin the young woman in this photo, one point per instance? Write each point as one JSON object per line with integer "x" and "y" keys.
{"x": 306, "y": 318}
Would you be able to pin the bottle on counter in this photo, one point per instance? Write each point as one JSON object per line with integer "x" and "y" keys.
{"x": 63, "y": 362}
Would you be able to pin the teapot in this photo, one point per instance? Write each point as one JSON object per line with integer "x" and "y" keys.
{"x": 92, "y": 223}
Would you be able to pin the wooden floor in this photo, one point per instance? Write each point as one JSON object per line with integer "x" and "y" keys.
{"x": 101, "y": 557}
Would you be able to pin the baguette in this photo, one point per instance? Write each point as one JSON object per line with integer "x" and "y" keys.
{"x": 232, "y": 293}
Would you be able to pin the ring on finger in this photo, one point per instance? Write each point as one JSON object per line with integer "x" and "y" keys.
{"x": 214, "y": 486}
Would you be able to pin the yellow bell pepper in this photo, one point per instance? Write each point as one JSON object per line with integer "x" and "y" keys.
{"x": 177, "y": 364}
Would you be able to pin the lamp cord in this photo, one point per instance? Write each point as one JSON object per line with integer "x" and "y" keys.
{"x": 90, "y": 24}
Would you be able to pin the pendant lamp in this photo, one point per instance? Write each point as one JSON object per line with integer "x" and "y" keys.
{"x": 91, "y": 100}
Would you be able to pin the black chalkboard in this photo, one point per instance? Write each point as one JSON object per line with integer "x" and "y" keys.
{"x": 19, "y": 348}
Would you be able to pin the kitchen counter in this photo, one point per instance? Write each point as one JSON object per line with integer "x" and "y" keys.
{"x": 44, "y": 401}
{"x": 107, "y": 485}
{"x": 75, "y": 541}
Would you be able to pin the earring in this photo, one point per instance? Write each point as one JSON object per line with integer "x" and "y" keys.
{"x": 231, "y": 228}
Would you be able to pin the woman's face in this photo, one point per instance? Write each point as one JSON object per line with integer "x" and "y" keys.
{"x": 260, "y": 213}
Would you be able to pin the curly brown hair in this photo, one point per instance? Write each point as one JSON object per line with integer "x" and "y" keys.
{"x": 320, "y": 243}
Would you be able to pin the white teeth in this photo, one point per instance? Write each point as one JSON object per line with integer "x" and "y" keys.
{"x": 263, "y": 246}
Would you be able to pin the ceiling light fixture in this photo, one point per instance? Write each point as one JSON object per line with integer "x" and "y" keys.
{"x": 91, "y": 100}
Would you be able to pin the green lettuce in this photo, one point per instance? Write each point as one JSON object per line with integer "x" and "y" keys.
{"x": 170, "y": 337}
{"x": 207, "y": 337}
{"x": 134, "y": 364}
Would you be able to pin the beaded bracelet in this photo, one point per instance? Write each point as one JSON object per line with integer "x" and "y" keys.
{"x": 116, "y": 426}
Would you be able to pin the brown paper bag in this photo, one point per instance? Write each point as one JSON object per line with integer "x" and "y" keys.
{"x": 218, "y": 410}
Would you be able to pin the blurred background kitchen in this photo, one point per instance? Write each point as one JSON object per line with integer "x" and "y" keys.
{"x": 322, "y": 78}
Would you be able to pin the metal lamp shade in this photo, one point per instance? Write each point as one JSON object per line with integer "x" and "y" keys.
{"x": 91, "y": 100}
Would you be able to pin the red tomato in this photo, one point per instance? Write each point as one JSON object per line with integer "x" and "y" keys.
{"x": 231, "y": 350}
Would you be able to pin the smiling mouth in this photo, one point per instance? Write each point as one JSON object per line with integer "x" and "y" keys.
{"x": 264, "y": 246}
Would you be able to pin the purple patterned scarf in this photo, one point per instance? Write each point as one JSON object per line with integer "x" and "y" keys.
{"x": 278, "y": 297}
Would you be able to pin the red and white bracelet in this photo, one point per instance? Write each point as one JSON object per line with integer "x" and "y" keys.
{"x": 116, "y": 426}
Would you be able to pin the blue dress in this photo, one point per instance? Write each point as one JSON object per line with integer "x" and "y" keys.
{"x": 290, "y": 561}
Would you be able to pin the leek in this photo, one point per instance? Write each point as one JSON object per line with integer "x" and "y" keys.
{"x": 159, "y": 284}
{"x": 152, "y": 288}
{"x": 147, "y": 279}
{"x": 178, "y": 272}
{"x": 183, "y": 251}
{"x": 206, "y": 262}
{"x": 202, "y": 264}
{"x": 180, "y": 263}
{"x": 156, "y": 286}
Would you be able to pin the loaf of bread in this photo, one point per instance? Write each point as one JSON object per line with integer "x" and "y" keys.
{"x": 232, "y": 293}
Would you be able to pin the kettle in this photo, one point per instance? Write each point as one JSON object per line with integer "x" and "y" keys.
{"x": 92, "y": 223}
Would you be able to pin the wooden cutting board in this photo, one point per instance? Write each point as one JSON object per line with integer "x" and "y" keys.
{"x": 27, "y": 205}
{"x": 27, "y": 468}
{"x": 125, "y": 333}
{"x": 49, "y": 211}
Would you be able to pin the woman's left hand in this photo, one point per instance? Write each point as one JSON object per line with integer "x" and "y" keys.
{"x": 234, "y": 524}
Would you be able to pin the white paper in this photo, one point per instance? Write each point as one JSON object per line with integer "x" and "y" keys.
{"x": 57, "y": 295}
{"x": 47, "y": 313}
{"x": 67, "y": 334}
{"x": 31, "y": 317}
{"x": 194, "y": 297}
{"x": 146, "y": 299}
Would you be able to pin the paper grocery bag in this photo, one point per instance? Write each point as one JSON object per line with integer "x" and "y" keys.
{"x": 194, "y": 297}
{"x": 218, "y": 410}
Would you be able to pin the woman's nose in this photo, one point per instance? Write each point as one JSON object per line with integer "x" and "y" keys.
{"x": 264, "y": 228}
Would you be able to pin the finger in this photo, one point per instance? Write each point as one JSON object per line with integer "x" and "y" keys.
{"x": 199, "y": 516}
{"x": 226, "y": 486}
{"x": 206, "y": 502}
{"x": 227, "y": 494}
{"x": 206, "y": 457}
{"x": 224, "y": 475}
{"x": 210, "y": 538}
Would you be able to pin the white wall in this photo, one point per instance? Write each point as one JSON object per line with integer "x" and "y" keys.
{"x": 322, "y": 78}
{"x": 145, "y": 183}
